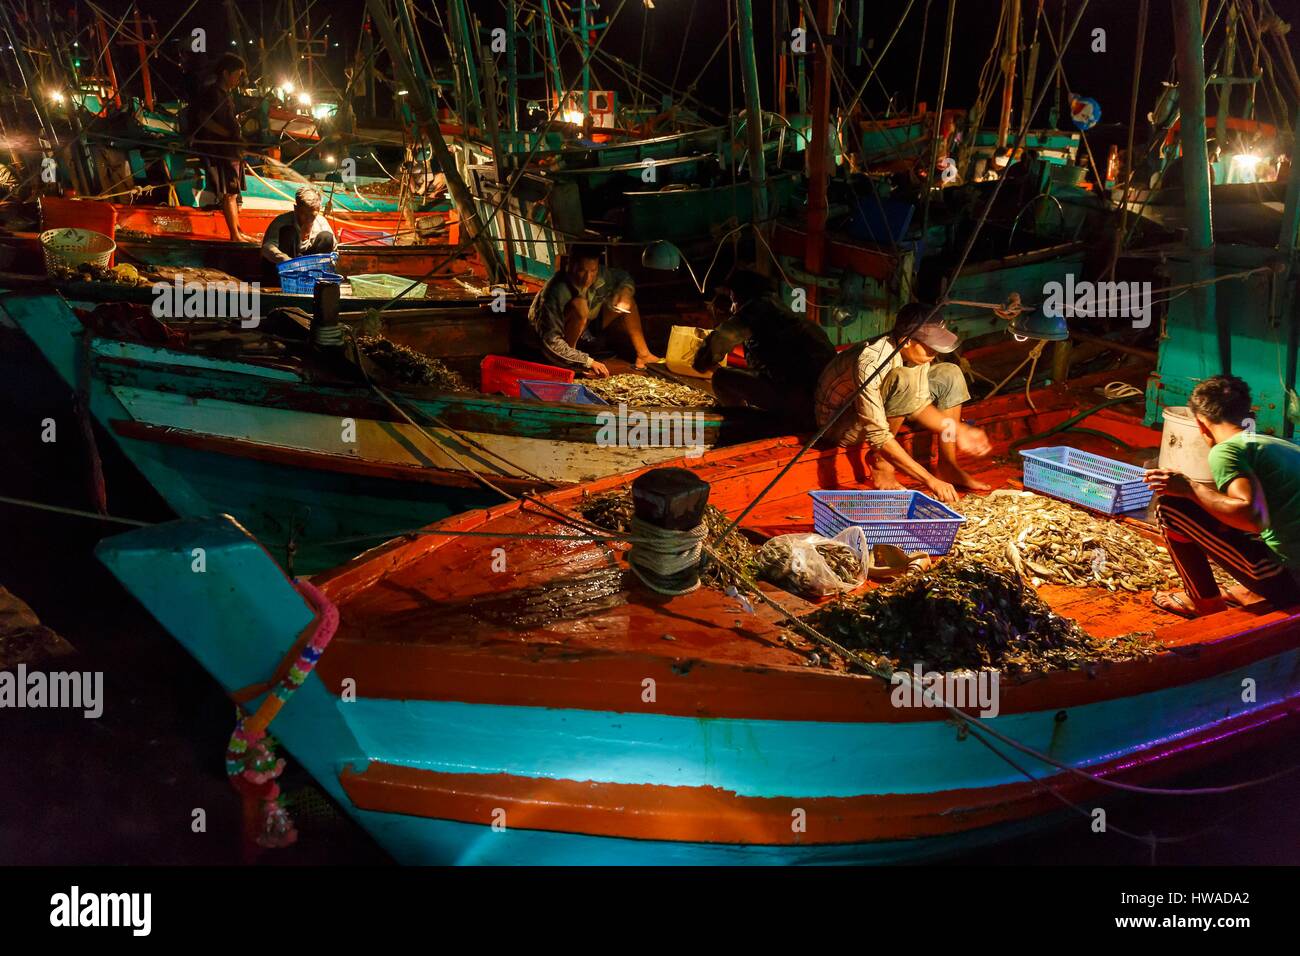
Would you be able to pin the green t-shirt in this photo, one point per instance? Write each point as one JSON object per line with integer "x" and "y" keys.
{"x": 1275, "y": 464}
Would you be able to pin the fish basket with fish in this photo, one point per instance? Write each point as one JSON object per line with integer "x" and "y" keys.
{"x": 572, "y": 393}
{"x": 1103, "y": 484}
{"x": 908, "y": 519}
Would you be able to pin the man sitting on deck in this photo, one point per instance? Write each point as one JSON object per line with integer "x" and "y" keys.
{"x": 785, "y": 353}
{"x": 1248, "y": 521}
{"x": 909, "y": 388}
{"x": 302, "y": 231}
{"x": 561, "y": 316}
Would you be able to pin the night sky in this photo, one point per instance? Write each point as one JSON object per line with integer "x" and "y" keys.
{"x": 670, "y": 39}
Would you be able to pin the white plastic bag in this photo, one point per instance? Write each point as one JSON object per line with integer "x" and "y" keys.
{"x": 799, "y": 562}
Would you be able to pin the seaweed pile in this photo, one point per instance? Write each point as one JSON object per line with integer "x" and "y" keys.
{"x": 409, "y": 367}
{"x": 1047, "y": 541}
{"x": 965, "y": 615}
{"x": 613, "y": 510}
{"x": 648, "y": 390}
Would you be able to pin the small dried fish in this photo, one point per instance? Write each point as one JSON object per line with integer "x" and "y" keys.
{"x": 648, "y": 390}
{"x": 1061, "y": 544}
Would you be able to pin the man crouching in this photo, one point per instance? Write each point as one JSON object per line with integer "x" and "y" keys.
{"x": 910, "y": 388}
{"x": 1248, "y": 521}
{"x": 579, "y": 305}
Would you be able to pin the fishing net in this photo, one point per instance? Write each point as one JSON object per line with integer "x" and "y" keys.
{"x": 964, "y": 615}
{"x": 409, "y": 367}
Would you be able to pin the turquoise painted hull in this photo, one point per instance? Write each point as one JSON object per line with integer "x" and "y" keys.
{"x": 300, "y": 515}
{"x": 253, "y": 615}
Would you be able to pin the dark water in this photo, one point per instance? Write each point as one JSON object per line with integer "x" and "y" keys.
{"x": 123, "y": 788}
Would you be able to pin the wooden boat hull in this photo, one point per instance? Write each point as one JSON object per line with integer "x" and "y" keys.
{"x": 456, "y": 780}
{"x": 244, "y": 260}
{"x": 503, "y": 713}
{"x": 310, "y": 463}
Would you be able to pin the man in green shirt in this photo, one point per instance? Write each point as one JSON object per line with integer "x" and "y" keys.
{"x": 1248, "y": 522}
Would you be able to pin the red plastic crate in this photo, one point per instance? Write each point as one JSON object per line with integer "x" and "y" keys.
{"x": 501, "y": 374}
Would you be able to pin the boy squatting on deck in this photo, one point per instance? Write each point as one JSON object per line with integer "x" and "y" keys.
{"x": 1248, "y": 521}
{"x": 912, "y": 388}
{"x": 571, "y": 314}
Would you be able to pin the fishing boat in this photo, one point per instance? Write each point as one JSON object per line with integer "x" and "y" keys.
{"x": 247, "y": 423}
{"x": 521, "y": 698}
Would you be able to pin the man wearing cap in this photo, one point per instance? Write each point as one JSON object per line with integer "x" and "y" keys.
{"x": 785, "y": 353}
{"x": 910, "y": 387}
{"x": 302, "y": 231}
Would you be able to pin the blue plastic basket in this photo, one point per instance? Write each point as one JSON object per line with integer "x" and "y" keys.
{"x": 574, "y": 393}
{"x": 299, "y": 276}
{"x": 1096, "y": 482}
{"x": 907, "y": 519}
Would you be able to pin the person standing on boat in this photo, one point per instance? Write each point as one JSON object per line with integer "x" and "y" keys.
{"x": 572, "y": 314}
{"x": 1248, "y": 521}
{"x": 911, "y": 387}
{"x": 785, "y": 353}
{"x": 218, "y": 141}
{"x": 302, "y": 231}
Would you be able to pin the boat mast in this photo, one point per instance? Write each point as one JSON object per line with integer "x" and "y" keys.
{"x": 1225, "y": 80}
{"x": 512, "y": 73}
{"x": 1009, "y": 52}
{"x": 818, "y": 174}
{"x": 557, "y": 81}
{"x": 753, "y": 115}
{"x": 1190, "y": 56}
{"x": 426, "y": 110}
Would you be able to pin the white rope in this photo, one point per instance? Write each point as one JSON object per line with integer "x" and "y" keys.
{"x": 660, "y": 554}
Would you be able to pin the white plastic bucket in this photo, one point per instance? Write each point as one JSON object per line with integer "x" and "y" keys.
{"x": 1182, "y": 447}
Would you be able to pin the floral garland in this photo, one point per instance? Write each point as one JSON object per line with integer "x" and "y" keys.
{"x": 251, "y": 762}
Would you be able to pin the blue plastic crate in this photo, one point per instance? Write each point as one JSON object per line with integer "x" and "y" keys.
{"x": 299, "y": 276}
{"x": 574, "y": 393}
{"x": 907, "y": 519}
{"x": 1096, "y": 482}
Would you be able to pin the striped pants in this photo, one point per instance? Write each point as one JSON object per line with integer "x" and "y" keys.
{"x": 1193, "y": 536}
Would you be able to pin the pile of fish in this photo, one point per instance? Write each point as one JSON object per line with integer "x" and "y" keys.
{"x": 613, "y": 510}
{"x": 1046, "y": 541}
{"x": 965, "y": 615}
{"x": 409, "y": 367}
{"x": 648, "y": 390}
{"x": 124, "y": 274}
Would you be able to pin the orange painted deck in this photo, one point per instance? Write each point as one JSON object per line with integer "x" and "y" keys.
{"x": 568, "y": 625}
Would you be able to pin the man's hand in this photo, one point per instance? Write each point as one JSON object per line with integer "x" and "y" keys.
{"x": 973, "y": 441}
{"x": 1172, "y": 483}
{"x": 596, "y": 370}
{"x": 942, "y": 490}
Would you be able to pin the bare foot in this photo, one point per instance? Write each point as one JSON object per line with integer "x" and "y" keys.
{"x": 648, "y": 359}
{"x": 961, "y": 478}
{"x": 244, "y": 237}
{"x": 884, "y": 477}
